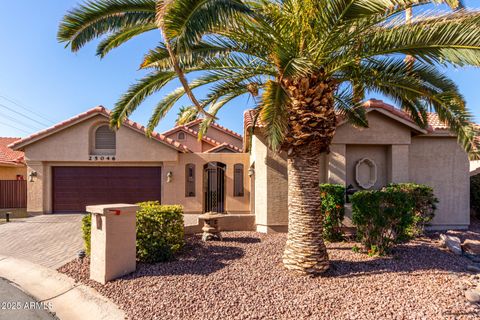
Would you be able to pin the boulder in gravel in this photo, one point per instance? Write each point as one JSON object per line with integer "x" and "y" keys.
{"x": 473, "y": 295}
{"x": 452, "y": 243}
{"x": 471, "y": 247}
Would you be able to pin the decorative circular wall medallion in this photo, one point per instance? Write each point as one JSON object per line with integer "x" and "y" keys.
{"x": 366, "y": 173}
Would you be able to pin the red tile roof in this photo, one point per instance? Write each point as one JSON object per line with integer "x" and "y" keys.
{"x": 216, "y": 125}
{"x": 205, "y": 138}
{"x": 89, "y": 113}
{"x": 224, "y": 145}
{"x": 9, "y": 156}
{"x": 433, "y": 120}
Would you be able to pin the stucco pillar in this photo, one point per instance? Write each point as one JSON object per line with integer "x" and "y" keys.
{"x": 337, "y": 164}
{"x": 398, "y": 163}
{"x": 170, "y": 185}
{"x": 35, "y": 189}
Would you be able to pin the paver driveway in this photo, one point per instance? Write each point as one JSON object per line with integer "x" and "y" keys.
{"x": 48, "y": 240}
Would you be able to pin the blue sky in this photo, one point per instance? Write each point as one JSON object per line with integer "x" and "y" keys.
{"x": 53, "y": 84}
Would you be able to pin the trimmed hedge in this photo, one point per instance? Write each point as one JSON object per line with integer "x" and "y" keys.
{"x": 160, "y": 232}
{"x": 424, "y": 202}
{"x": 333, "y": 211}
{"x": 392, "y": 215}
{"x": 475, "y": 194}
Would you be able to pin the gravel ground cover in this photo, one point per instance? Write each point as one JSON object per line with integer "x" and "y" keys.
{"x": 242, "y": 278}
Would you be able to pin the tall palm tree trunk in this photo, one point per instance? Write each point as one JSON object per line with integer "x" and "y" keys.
{"x": 305, "y": 251}
{"x": 312, "y": 123}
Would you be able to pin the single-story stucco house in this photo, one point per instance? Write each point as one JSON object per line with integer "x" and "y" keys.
{"x": 81, "y": 162}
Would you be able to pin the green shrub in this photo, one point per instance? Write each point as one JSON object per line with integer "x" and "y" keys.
{"x": 425, "y": 204}
{"x": 394, "y": 214}
{"x": 382, "y": 218}
{"x": 86, "y": 229}
{"x": 333, "y": 211}
{"x": 160, "y": 232}
{"x": 475, "y": 194}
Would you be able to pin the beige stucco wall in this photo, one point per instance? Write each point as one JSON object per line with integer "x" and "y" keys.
{"x": 271, "y": 196}
{"x": 437, "y": 161}
{"x": 382, "y": 130}
{"x": 11, "y": 172}
{"x": 376, "y": 153}
{"x": 442, "y": 164}
{"x": 174, "y": 192}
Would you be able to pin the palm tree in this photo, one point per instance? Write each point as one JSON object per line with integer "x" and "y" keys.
{"x": 307, "y": 60}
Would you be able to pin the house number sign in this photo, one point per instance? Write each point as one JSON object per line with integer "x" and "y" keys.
{"x": 102, "y": 158}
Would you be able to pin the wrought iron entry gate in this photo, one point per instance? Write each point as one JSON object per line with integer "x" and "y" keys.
{"x": 214, "y": 187}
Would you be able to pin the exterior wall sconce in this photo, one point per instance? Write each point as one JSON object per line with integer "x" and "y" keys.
{"x": 32, "y": 175}
{"x": 251, "y": 172}
{"x": 169, "y": 176}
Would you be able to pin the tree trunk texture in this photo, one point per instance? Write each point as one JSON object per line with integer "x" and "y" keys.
{"x": 312, "y": 124}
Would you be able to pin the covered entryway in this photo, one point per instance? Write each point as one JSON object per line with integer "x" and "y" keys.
{"x": 214, "y": 187}
{"x": 76, "y": 187}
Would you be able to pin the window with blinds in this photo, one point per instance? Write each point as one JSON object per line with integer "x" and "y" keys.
{"x": 238, "y": 180}
{"x": 105, "y": 138}
{"x": 190, "y": 180}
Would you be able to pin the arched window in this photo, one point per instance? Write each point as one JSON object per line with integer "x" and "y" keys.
{"x": 238, "y": 180}
{"x": 105, "y": 138}
{"x": 181, "y": 136}
{"x": 190, "y": 180}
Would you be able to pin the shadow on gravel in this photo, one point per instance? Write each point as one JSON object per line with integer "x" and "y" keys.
{"x": 198, "y": 259}
{"x": 418, "y": 256}
{"x": 247, "y": 240}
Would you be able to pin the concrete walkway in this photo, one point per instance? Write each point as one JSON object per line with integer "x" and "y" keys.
{"x": 64, "y": 297}
{"x": 47, "y": 240}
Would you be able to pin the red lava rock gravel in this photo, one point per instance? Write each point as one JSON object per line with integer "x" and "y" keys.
{"x": 242, "y": 278}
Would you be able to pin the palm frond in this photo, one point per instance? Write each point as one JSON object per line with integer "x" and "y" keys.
{"x": 137, "y": 93}
{"x": 273, "y": 113}
{"x": 186, "y": 115}
{"x": 121, "y": 36}
{"x": 98, "y": 17}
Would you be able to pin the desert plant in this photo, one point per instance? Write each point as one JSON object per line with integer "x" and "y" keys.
{"x": 308, "y": 60}
{"x": 86, "y": 230}
{"x": 382, "y": 218}
{"x": 425, "y": 204}
{"x": 160, "y": 231}
{"x": 333, "y": 210}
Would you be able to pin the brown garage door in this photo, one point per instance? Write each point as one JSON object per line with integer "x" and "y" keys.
{"x": 76, "y": 187}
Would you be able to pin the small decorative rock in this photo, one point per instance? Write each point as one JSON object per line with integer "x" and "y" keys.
{"x": 452, "y": 243}
{"x": 471, "y": 247}
{"x": 472, "y": 295}
{"x": 211, "y": 229}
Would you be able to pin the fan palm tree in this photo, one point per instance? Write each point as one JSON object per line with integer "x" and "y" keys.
{"x": 305, "y": 61}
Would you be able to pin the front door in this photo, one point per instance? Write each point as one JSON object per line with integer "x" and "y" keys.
{"x": 214, "y": 187}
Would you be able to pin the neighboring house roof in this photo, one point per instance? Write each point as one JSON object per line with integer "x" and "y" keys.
{"x": 100, "y": 110}
{"x": 9, "y": 157}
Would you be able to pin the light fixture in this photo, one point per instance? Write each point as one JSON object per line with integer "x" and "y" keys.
{"x": 251, "y": 171}
{"x": 32, "y": 175}
{"x": 169, "y": 176}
